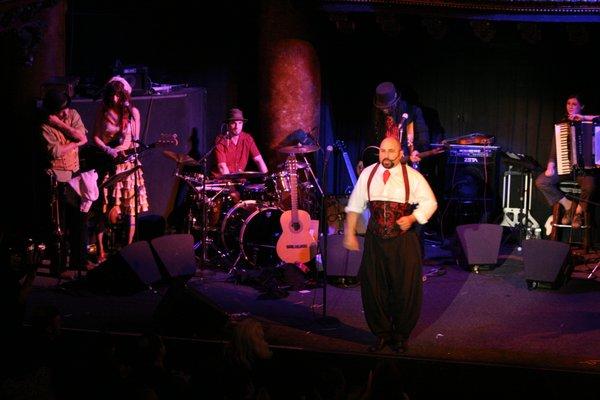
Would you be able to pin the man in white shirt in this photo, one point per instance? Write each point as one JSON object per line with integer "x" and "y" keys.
{"x": 390, "y": 272}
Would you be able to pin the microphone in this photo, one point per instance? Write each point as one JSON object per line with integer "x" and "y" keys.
{"x": 402, "y": 120}
{"x": 127, "y": 106}
{"x": 328, "y": 154}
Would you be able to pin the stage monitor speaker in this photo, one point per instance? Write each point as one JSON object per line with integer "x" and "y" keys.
{"x": 176, "y": 252}
{"x": 545, "y": 263}
{"x": 181, "y": 112}
{"x": 132, "y": 269}
{"x": 342, "y": 262}
{"x": 185, "y": 311}
{"x": 480, "y": 243}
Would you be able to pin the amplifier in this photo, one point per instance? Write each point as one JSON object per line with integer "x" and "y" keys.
{"x": 470, "y": 183}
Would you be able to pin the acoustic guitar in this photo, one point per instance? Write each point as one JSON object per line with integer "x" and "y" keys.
{"x": 296, "y": 244}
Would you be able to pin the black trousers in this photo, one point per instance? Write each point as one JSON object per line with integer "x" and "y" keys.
{"x": 548, "y": 185}
{"x": 391, "y": 284}
{"x": 74, "y": 227}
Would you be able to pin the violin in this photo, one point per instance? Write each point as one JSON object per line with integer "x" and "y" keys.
{"x": 476, "y": 139}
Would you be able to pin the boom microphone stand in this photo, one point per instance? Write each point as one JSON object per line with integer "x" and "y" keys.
{"x": 325, "y": 319}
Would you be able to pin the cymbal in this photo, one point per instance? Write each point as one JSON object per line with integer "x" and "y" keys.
{"x": 116, "y": 178}
{"x": 242, "y": 175}
{"x": 298, "y": 149}
{"x": 179, "y": 158}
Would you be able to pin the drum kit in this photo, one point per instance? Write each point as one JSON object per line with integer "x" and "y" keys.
{"x": 236, "y": 216}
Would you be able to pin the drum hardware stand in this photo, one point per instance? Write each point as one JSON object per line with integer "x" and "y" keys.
{"x": 204, "y": 239}
{"x": 312, "y": 174}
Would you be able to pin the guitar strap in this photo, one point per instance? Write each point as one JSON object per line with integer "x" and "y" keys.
{"x": 404, "y": 175}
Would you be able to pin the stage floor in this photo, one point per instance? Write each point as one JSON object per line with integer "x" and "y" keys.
{"x": 487, "y": 317}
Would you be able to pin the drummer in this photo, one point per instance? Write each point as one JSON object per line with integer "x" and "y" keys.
{"x": 234, "y": 147}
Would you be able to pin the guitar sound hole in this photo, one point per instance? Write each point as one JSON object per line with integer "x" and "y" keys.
{"x": 296, "y": 226}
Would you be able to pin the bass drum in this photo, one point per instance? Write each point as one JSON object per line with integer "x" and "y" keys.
{"x": 250, "y": 231}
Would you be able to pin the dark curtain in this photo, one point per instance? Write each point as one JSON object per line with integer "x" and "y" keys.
{"x": 491, "y": 78}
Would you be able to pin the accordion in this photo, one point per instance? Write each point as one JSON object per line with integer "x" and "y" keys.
{"x": 577, "y": 146}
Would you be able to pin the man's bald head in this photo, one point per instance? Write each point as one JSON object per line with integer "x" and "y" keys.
{"x": 390, "y": 152}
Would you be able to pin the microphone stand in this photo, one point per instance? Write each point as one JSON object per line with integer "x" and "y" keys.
{"x": 324, "y": 319}
{"x": 135, "y": 195}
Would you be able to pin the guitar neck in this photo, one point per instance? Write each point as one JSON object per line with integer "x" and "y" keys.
{"x": 428, "y": 153}
{"x": 294, "y": 195}
{"x": 349, "y": 168}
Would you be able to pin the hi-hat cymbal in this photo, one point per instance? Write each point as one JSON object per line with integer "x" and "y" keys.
{"x": 242, "y": 175}
{"x": 298, "y": 149}
{"x": 179, "y": 158}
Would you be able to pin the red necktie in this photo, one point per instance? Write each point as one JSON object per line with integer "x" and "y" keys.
{"x": 386, "y": 176}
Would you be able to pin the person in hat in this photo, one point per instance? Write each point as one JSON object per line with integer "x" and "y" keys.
{"x": 234, "y": 148}
{"x": 399, "y": 199}
{"x": 63, "y": 133}
{"x": 116, "y": 131}
{"x": 394, "y": 117}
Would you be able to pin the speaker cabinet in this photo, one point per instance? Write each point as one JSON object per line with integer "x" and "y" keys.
{"x": 176, "y": 252}
{"x": 182, "y": 113}
{"x": 185, "y": 311}
{"x": 470, "y": 182}
{"x": 137, "y": 77}
{"x": 480, "y": 244}
{"x": 545, "y": 263}
{"x": 132, "y": 269}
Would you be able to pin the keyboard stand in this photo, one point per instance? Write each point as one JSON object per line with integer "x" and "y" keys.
{"x": 519, "y": 218}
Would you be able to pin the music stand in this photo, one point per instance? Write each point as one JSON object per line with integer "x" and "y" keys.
{"x": 116, "y": 178}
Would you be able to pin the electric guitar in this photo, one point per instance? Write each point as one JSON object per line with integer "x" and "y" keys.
{"x": 296, "y": 244}
{"x": 165, "y": 139}
{"x": 341, "y": 146}
{"x": 372, "y": 153}
{"x": 428, "y": 153}
{"x": 361, "y": 224}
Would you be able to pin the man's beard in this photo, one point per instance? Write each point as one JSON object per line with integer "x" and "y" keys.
{"x": 387, "y": 163}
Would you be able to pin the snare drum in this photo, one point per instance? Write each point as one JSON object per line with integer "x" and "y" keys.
{"x": 255, "y": 191}
{"x": 250, "y": 230}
